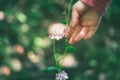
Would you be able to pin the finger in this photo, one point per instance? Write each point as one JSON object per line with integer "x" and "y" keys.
{"x": 90, "y": 34}
{"x": 69, "y": 32}
{"x": 73, "y": 23}
{"x": 82, "y": 34}
{"x": 92, "y": 30}
{"x": 75, "y": 33}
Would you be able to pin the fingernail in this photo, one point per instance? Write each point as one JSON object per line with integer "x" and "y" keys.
{"x": 76, "y": 38}
{"x": 66, "y": 35}
{"x": 71, "y": 41}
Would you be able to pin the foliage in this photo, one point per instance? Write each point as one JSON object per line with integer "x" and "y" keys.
{"x": 25, "y": 49}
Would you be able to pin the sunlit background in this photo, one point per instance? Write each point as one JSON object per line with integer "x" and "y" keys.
{"x": 26, "y": 50}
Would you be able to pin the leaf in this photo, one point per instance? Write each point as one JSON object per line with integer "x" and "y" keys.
{"x": 51, "y": 68}
{"x": 70, "y": 49}
{"x": 67, "y": 43}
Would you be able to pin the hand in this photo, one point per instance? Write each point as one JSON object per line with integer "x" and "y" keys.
{"x": 84, "y": 23}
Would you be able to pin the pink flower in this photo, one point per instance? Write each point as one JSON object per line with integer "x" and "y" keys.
{"x": 57, "y": 31}
{"x": 61, "y": 76}
{"x": 57, "y": 37}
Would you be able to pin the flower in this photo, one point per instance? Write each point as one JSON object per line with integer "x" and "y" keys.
{"x": 61, "y": 76}
{"x": 57, "y": 37}
{"x": 57, "y": 31}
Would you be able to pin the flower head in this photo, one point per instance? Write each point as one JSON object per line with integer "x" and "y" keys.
{"x": 61, "y": 76}
{"x": 57, "y": 37}
{"x": 57, "y": 31}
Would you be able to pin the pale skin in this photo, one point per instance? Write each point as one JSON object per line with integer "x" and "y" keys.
{"x": 84, "y": 23}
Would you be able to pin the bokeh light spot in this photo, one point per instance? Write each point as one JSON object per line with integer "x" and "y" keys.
{"x": 19, "y": 49}
{"x": 16, "y": 65}
{"x": 2, "y": 15}
{"x": 69, "y": 61}
{"x": 21, "y": 17}
{"x": 42, "y": 42}
{"x": 5, "y": 70}
{"x": 24, "y": 28}
{"x": 32, "y": 57}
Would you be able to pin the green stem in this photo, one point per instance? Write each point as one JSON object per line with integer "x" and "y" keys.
{"x": 65, "y": 52}
{"x": 56, "y": 61}
{"x": 68, "y": 14}
{"x": 63, "y": 56}
{"x": 54, "y": 50}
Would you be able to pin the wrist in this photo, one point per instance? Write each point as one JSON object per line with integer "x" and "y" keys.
{"x": 99, "y": 5}
{"x": 81, "y": 7}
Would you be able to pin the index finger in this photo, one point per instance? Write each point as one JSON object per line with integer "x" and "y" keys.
{"x": 69, "y": 32}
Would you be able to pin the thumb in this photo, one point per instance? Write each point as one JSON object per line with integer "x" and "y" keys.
{"x": 73, "y": 23}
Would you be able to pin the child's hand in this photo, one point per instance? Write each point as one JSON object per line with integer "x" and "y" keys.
{"x": 84, "y": 23}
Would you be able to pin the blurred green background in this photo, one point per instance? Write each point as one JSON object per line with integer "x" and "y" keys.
{"x": 26, "y": 50}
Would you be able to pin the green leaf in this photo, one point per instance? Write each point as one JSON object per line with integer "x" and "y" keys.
{"x": 70, "y": 49}
{"x": 51, "y": 68}
{"x": 67, "y": 43}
